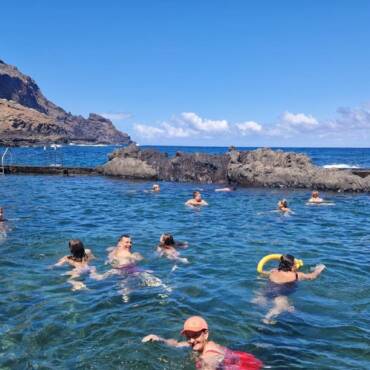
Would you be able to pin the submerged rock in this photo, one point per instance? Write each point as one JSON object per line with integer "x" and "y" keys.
{"x": 256, "y": 168}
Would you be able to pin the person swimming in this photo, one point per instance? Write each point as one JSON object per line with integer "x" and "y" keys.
{"x": 2, "y": 218}
{"x": 283, "y": 282}
{"x": 123, "y": 261}
{"x": 226, "y": 189}
{"x": 196, "y": 200}
{"x": 315, "y": 198}
{"x": 156, "y": 188}
{"x": 210, "y": 355}
{"x": 283, "y": 206}
{"x": 167, "y": 248}
{"x": 79, "y": 259}
{"x": 121, "y": 256}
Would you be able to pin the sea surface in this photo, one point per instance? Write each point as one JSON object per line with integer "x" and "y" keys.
{"x": 90, "y": 156}
{"x": 46, "y": 325}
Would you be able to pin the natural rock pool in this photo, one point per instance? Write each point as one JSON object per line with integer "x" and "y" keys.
{"x": 45, "y": 325}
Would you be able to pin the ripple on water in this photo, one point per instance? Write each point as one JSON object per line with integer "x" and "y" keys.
{"x": 46, "y": 325}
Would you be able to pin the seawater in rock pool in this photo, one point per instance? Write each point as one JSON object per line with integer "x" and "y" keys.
{"x": 46, "y": 325}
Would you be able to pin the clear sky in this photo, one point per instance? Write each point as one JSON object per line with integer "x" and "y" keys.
{"x": 251, "y": 73}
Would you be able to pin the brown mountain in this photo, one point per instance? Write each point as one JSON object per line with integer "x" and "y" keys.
{"x": 28, "y": 118}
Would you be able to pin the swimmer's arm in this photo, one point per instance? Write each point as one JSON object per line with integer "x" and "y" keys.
{"x": 89, "y": 253}
{"x": 204, "y": 203}
{"x": 182, "y": 244}
{"x": 61, "y": 262}
{"x": 312, "y": 275}
{"x": 169, "y": 342}
{"x": 137, "y": 256}
{"x": 189, "y": 202}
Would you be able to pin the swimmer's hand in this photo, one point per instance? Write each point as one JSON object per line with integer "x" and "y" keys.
{"x": 152, "y": 338}
{"x": 320, "y": 268}
{"x": 169, "y": 342}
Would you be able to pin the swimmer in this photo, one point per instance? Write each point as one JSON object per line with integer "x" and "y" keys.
{"x": 315, "y": 198}
{"x": 226, "y": 189}
{"x": 123, "y": 261}
{"x": 196, "y": 200}
{"x": 282, "y": 282}
{"x": 210, "y": 355}
{"x": 283, "y": 206}
{"x": 167, "y": 248}
{"x": 156, "y": 188}
{"x": 79, "y": 260}
{"x": 2, "y": 218}
{"x": 121, "y": 255}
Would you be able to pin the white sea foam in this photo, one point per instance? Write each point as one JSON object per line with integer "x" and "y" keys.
{"x": 340, "y": 165}
{"x": 73, "y": 144}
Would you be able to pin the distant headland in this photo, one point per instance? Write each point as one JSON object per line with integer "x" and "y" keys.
{"x": 28, "y": 118}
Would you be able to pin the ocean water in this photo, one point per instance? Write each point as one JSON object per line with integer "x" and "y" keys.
{"x": 45, "y": 325}
{"x": 90, "y": 156}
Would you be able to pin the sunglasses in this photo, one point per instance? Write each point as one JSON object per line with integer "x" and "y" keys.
{"x": 193, "y": 334}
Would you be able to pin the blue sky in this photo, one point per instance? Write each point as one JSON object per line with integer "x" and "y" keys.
{"x": 261, "y": 73}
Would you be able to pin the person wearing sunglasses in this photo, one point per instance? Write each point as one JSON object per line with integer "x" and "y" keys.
{"x": 210, "y": 355}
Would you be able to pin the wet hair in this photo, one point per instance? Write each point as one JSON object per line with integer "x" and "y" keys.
{"x": 315, "y": 192}
{"x": 167, "y": 240}
{"x": 77, "y": 249}
{"x": 286, "y": 263}
{"x": 195, "y": 193}
{"x": 284, "y": 203}
{"x": 123, "y": 236}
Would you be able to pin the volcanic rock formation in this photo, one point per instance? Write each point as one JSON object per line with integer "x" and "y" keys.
{"x": 256, "y": 168}
{"x": 28, "y": 118}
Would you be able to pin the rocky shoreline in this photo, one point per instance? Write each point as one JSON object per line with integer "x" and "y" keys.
{"x": 27, "y": 118}
{"x": 255, "y": 168}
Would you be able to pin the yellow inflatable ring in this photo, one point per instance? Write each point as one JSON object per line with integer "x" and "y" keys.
{"x": 271, "y": 257}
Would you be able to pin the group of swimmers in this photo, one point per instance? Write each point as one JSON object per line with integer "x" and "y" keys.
{"x": 315, "y": 199}
{"x": 282, "y": 281}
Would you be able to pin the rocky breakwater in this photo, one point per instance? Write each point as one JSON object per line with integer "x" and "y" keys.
{"x": 28, "y": 118}
{"x": 257, "y": 168}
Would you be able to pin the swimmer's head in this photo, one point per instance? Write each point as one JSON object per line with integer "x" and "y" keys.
{"x": 1, "y": 214}
{"x": 197, "y": 196}
{"x": 167, "y": 240}
{"x": 284, "y": 203}
{"x": 156, "y": 187}
{"x": 77, "y": 249}
{"x": 286, "y": 263}
{"x": 125, "y": 241}
{"x": 315, "y": 194}
{"x": 196, "y": 332}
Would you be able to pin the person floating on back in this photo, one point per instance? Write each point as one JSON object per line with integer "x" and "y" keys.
{"x": 196, "y": 200}
{"x": 283, "y": 282}
{"x": 210, "y": 355}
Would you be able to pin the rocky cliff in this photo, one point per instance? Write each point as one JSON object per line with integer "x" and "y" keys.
{"x": 257, "y": 168}
{"x": 28, "y": 118}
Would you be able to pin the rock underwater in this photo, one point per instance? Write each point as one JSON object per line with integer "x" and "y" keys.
{"x": 257, "y": 168}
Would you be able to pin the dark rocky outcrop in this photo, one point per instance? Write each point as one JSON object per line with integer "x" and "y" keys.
{"x": 28, "y": 118}
{"x": 257, "y": 168}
